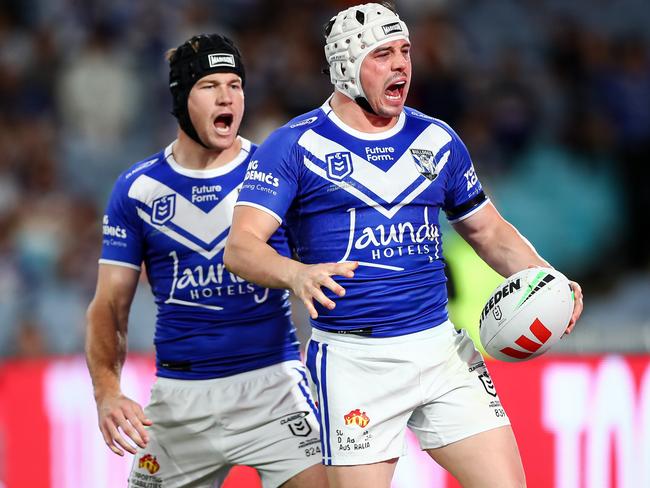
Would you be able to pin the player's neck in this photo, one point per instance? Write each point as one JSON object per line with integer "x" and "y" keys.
{"x": 191, "y": 155}
{"x": 353, "y": 115}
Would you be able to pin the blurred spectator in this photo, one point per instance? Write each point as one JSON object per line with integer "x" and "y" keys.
{"x": 98, "y": 91}
{"x": 583, "y": 195}
{"x": 513, "y": 110}
{"x": 30, "y": 342}
{"x": 625, "y": 95}
{"x": 12, "y": 286}
{"x": 440, "y": 57}
{"x": 98, "y": 99}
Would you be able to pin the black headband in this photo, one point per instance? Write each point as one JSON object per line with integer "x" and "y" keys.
{"x": 200, "y": 56}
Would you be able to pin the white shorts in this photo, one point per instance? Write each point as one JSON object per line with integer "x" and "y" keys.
{"x": 371, "y": 389}
{"x": 201, "y": 428}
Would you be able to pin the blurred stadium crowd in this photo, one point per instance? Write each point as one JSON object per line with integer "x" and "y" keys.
{"x": 551, "y": 97}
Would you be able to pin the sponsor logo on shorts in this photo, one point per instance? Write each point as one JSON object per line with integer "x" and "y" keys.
{"x": 475, "y": 366}
{"x": 358, "y": 442}
{"x": 141, "y": 480}
{"x": 487, "y": 383}
{"x": 297, "y": 424}
{"x": 150, "y": 463}
{"x": 356, "y": 417}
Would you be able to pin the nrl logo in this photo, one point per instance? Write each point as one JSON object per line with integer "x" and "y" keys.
{"x": 163, "y": 209}
{"x": 498, "y": 315}
{"x": 425, "y": 163}
{"x": 300, "y": 428}
{"x": 339, "y": 165}
{"x": 487, "y": 383}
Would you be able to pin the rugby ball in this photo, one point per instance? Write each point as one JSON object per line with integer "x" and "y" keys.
{"x": 526, "y": 314}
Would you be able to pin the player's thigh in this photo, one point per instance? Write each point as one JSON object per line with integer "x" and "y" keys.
{"x": 461, "y": 400}
{"x": 376, "y": 475}
{"x": 489, "y": 459}
{"x": 273, "y": 427}
{"x": 312, "y": 477}
{"x": 284, "y": 453}
{"x": 363, "y": 420}
{"x": 180, "y": 452}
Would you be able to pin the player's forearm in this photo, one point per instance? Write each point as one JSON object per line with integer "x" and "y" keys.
{"x": 250, "y": 258}
{"x": 106, "y": 347}
{"x": 505, "y": 250}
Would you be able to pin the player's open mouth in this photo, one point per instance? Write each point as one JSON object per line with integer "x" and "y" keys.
{"x": 395, "y": 91}
{"x": 223, "y": 122}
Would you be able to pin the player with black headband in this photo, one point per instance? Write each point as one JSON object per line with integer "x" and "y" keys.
{"x": 360, "y": 183}
{"x": 230, "y": 386}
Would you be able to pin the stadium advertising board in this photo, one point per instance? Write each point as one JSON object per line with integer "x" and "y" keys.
{"x": 580, "y": 422}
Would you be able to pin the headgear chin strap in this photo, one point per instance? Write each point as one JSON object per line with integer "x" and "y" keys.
{"x": 351, "y": 35}
{"x": 200, "y": 56}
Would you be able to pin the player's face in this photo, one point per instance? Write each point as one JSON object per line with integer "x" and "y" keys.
{"x": 386, "y": 77}
{"x": 216, "y": 107}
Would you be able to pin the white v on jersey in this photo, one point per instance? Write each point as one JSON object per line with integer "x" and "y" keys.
{"x": 210, "y": 322}
{"x": 373, "y": 198}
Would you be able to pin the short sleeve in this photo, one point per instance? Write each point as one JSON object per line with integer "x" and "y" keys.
{"x": 122, "y": 230}
{"x": 272, "y": 177}
{"x": 464, "y": 193}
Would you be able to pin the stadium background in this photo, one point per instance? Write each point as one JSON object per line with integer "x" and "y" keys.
{"x": 551, "y": 97}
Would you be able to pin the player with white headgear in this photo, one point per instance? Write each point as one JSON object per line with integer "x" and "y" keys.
{"x": 360, "y": 183}
{"x": 353, "y": 34}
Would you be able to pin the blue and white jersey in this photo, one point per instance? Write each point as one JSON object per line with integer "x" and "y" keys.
{"x": 210, "y": 323}
{"x": 346, "y": 195}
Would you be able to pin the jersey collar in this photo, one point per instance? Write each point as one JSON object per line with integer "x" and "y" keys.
{"x": 368, "y": 136}
{"x": 208, "y": 173}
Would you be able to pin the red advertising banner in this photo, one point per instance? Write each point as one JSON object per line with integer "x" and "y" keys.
{"x": 581, "y": 422}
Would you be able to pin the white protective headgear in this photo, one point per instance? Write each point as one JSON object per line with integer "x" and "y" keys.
{"x": 353, "y": 34}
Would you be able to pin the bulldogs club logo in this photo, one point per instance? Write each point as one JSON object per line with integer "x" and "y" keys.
{"x": 339, "y": 165}
{"x": 356, "y": 417}
{"x": 149, "y": 463}
{"x": 425, "y": 163}
{"x": 163, "y": 209}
